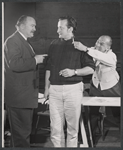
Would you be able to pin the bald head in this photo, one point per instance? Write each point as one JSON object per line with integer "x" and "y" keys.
{"x": 23, "y": 19}
{"x": 106, "y": 39}
{"x": 104, "y": 43}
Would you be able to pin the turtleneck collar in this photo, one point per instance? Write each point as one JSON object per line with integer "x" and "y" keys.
{"x": 69, "y": 40}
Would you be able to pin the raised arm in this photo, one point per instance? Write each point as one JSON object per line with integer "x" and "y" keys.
{"x": 108, "y": 58}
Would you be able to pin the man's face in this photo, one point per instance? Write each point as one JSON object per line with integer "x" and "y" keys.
{"x": 29, "y": 27}
{"x": 63, "y": 30}
{"x": 101, "y": 44}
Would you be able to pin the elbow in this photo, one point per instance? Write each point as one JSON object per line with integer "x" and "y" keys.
{"x": 13, "y": 68}
{"x": 91, "y": 71}
{"x": 13, "y": 65}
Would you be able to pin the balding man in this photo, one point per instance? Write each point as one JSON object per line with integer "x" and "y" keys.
{"x": 105, "y": 80}
{"x": 21, "y": 81}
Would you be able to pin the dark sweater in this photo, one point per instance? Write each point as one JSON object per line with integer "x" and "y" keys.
{"x": 62, "y": 55}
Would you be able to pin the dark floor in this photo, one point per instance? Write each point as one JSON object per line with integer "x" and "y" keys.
{"x": 42, "y": 138}
{"x": 112, "y": 135}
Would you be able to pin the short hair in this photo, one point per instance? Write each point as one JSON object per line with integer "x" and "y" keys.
{"x": 21, "y": 20}
{"x": 71, "y": 22}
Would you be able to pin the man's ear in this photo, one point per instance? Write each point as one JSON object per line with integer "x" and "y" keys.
{"x": 22, "y": 26}
{"x": 71, "y": 29}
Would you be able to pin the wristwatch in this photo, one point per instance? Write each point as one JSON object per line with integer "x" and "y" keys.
{"x": 75, "y": 71}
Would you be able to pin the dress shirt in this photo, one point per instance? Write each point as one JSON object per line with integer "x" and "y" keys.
{"x": 27, "y": 41}
{"x": 105, "y": 73}
{"x": 22, "y": 35}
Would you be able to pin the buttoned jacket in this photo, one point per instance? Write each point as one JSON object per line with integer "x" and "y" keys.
{"x": 20, "y": 73}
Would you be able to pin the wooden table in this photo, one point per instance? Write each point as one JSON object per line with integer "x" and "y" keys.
{"x": 95, "y": 101}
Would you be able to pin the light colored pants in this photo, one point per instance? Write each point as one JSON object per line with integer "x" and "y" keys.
{"x": 65, "y": 103}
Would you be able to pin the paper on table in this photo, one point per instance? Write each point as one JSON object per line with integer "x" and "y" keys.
{"x": 41, "y": 99}
{"x": 40, "y": 95}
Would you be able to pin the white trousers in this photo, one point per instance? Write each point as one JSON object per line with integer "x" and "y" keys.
{"x": 65, "y": 104}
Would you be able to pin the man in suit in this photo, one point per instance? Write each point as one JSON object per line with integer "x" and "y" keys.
{"x": 21, "y": 81}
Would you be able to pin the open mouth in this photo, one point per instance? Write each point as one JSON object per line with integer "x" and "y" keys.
{"x": 60, "y": 34}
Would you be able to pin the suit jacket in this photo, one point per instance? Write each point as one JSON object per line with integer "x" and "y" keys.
{"x": 20, "y": 74}
{"x": 105, "y": 73}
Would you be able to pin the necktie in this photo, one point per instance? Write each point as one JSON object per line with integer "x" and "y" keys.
{"x": 30, "y": 46}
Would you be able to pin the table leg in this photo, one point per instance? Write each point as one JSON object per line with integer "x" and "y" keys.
{"x": 88, "y": 123}
{"x": 102, "y": 126}
{"x": 83, "y": 133}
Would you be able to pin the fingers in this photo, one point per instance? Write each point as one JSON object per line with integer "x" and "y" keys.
{"x": 64, "y": 73}
{"x": 40, "y": 58}
{"x": 43, "y": 56}
{"x": 61, "y": 72}
{"x": 73, "y": 40}
{"x": 76, "y": 44}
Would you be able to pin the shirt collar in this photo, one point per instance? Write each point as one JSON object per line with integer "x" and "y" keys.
{"x": 70, "y": 40}
{"x": 22, "y": 35}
